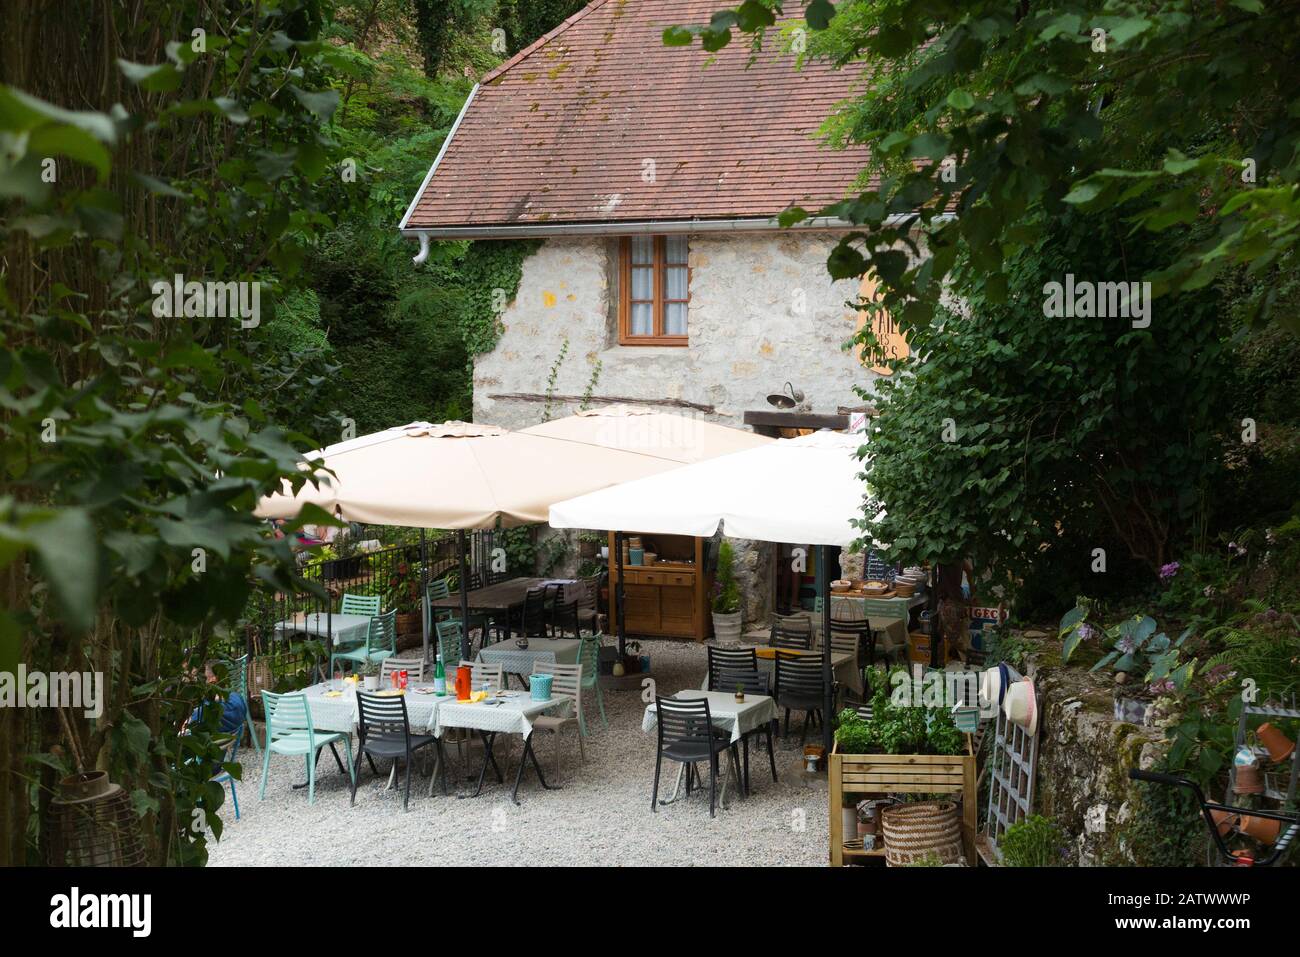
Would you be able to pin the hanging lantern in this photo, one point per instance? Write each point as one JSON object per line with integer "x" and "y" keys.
{"x": 92, "y": 824}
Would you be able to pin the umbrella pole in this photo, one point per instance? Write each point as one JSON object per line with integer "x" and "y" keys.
{"x": 427, "y": 612}
{"x": 464, "y": 594}
{"x": 828, "y": 673}
{"x": 618, "y": 590}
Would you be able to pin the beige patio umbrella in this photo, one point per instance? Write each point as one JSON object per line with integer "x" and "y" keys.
{"x": 679, "y": 438}
{"x": 457, "y": 475}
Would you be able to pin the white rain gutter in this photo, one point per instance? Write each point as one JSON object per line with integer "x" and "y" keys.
{"x": 636, "y": 227}
{"x": 424, "y": 237}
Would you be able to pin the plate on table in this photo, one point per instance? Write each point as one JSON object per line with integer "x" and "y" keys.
{"x": 391, "y": 692}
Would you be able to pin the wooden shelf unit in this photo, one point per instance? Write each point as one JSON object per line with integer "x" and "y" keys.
{"x": 669, "y": 598}
{"x": 880, "y": 774}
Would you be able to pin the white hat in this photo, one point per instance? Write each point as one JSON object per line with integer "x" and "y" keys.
{"x": 993, "y": 685}
{"x": 1021, "y": 705}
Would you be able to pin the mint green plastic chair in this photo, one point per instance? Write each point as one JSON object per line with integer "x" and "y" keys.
{"x": 360, "y": 605}
{"x": 237, "y": 683}
{"x": 380, "y": 643}
{"x": 434, "y": 591}
{"x": 449, "y": 636}
{"x": 588, "y": 656}
{"x": 289, "y": 730}
{"x": 880, "y": 613}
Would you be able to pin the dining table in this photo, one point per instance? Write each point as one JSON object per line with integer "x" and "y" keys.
{"x": 736, "y": 718}
{"x": 515, "y": 660}
{"x": 500, "y": 599}
{"x": 333, "y": 706}
{"x": 502, "y": 712}
{"x": 338, "y": 630}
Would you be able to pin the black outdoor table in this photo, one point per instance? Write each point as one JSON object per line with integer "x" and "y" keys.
{"x": 501, "y": 598}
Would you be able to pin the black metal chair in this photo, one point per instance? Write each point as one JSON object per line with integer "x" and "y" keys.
{"x": 753, "y": 682}
{"x": 792, "y": 632}
{"x": 800, "y": 686}
{"x": 687, "y": 735}
{"x": 534, "y": 619}
{"x": 384, "y": 731}
{"x": 587, "y": 594}
{"x": 729, "y": 659}
{"x": 564, "y": 617}
{"x": 861, "y": 629}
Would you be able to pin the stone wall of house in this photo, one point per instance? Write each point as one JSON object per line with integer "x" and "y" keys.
{"x": 763, "y": 311}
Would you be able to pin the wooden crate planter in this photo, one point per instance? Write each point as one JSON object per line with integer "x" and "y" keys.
{"x": 900, "y": 774}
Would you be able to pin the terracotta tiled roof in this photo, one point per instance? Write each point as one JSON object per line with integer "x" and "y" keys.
{"x": 560, "y": 133}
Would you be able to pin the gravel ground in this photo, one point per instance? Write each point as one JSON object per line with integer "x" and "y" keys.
{"x": 600, "y": 816}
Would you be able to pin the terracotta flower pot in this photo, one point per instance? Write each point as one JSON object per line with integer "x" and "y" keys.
{"x": 1278, "y": 744}
{"x": 1225, "y": 821}
{"x": 1249, "y": 780}
{"x": 1263, "y": 829}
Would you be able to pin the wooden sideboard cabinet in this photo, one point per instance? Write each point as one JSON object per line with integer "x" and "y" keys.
{"x": 669, "y": 598}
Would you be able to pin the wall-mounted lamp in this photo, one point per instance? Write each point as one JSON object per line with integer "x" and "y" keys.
{"x": 786, "y": 399}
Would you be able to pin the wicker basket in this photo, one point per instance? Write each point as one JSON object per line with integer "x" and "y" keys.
{"x": 920, "y": 830}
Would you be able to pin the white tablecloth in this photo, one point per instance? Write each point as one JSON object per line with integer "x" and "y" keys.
{"x": 724, "y": 712}
{"x": 519, "y": 661}
{"x": 340, "y": 713}
{"x": 347, "y": 628}
{"x": 514, "y": 714}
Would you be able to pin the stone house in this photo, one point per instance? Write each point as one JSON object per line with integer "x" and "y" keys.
{"x": 653, "y": 176}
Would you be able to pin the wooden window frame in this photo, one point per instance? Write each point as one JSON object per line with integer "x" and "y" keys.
{"x": 659, "y": 267}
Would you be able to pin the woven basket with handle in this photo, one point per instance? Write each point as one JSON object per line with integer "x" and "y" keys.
{"x": 920, "y": 830}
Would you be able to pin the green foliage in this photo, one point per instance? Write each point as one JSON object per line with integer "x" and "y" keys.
{"x": 1034, "y": 841}
{"x": 1019, "y": 426}
{"x": 1166, "y": 829}
{"x": 135, "y": 444}
{"x": 520, "y": 545}
{"x": 1264, "y": 648}
{"x": 552, "y": 377}
{"x": 897, "y": 730}
{"x": 1039, "y": 117}
{"x": 403, "y": 336}
{"x": 402, "y": 590}
{"x": 726, "y": 590}
{"x": 1136, "y": 647}
{"x": 525, "y": 20}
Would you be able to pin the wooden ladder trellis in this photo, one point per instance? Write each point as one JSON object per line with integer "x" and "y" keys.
{"x": 1011, "y": 769}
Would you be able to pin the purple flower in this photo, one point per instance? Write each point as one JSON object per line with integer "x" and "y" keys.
{"x": 1167, "y": 572}
{"x": 1087, "y": 632}
{"x": 1126, "y": 645}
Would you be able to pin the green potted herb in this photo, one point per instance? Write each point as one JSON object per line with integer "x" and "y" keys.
{"x": 370, "y": 675}
{"x": 740, "y": 693}
{"x": 726, "y": 596}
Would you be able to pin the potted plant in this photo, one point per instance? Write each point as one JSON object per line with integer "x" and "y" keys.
{"x": 740, "y": 694}
{"x": 370, "y": 675}
{"x": 402, "y": 593}
{"x": 589, "y": 544}
{"x": 726, "y": 597}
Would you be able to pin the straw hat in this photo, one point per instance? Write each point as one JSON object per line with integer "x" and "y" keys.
{"x": 1021, "y": 705}
{"x": 993, "y": 684}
